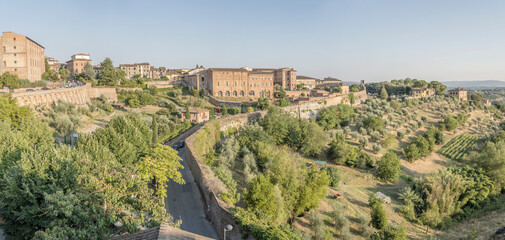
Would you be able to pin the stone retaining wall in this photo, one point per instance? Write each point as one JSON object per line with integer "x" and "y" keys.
{"x": 77, "y": 95}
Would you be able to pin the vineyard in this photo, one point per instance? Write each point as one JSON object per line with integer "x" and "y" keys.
{"x": 459, "y": 146}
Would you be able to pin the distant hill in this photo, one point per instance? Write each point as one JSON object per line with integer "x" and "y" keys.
{"x": 482, "y": 84}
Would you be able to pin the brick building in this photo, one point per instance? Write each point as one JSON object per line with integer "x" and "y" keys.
{"x": 54, "y": 64}
{"x": 141, "y": 69}
{"x": 306, "y": 82}
{"x": 422, "y": 92}
{"x": 197, "y": 115}
{"x": 237, "y": 82}
{"x": 77, "y": 63}
{"x": 459, "y": 93}
{"x": 328, "y": 82}
{"x": 21, "y": 56}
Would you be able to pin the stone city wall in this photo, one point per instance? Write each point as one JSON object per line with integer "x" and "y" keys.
{"x": 209, "y": 184}
{"x": 77, "y": 95}
{"x": 165, "y": 84}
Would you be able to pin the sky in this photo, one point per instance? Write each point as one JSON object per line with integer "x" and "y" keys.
{"x": 374, "y": 40}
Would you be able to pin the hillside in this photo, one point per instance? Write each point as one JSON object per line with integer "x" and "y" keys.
{"x": 478, "y": 84}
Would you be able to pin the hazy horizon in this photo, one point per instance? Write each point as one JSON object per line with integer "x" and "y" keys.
{"x": 349, "y": 40}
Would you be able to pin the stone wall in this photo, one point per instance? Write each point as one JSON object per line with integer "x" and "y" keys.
{"x": 77, "y": 95}
{"x": 165, "y": 84}
{"x": 109, "y": 92}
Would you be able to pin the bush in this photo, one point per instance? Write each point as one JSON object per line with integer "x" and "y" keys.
{"x": 375, "y": 123}
{"x": 389, "y": 167}
{"x": 334, "y": 175}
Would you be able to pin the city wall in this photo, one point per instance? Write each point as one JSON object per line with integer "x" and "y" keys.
{"x": 77, "y": 95}
{"x": 210, "y": 186}
{"x": 165, "y": 84}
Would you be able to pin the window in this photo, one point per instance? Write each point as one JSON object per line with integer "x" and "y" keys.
{"x": 243, "y": 83}
{"x": 251, "y": 93}
{"x": 14, "y": 47}
{"x": 226, "y": 83}
{"x": 220, "y": 94}
{"x": 241, "y": 93}
{"x": 15, "y": 62}
{"x": 235, "y": 83}
{"x": 15, "y": 69}
{"x": 14, "y": 39}
{"x": 218, "y": 84}
{"x": 5, "y": 63}
{"x": 4, "y": 49}
{"x": 234, "y": 93}
{"x": 227, "y": 93}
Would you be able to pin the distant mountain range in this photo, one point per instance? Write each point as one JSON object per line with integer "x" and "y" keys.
{"x": 479, "y": 84}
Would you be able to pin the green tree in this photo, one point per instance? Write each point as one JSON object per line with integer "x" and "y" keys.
{"x": 438, "y": 87}
{"x": 384, "y": 94}
{"x": 283, "y": 102}
{"x": 109, "y": 76}
{"x": 154, "y": 126}
{"x": 389, "y": 167}
{"x": 355, "y": 88}
{"x": 46, "y": 66}
{"x": 262, "y": 200}
{"x": 378, "y": 215}
{"x": 64, "y": 74}
{"x": 11, "y": 112}
{"x": 161, "y": 164}
{"x": 9, "y": 80}
{"x": 314, "y": 141}
{"x": 133, "y": 103}
{"x": 314, "y": 190}
{"x": 263, "y": 103}
{"x": 187, "y": 114}
{"x": 89, "y": 72}
{"x": 374, "y": 122}
{"x": 352, "y": 99}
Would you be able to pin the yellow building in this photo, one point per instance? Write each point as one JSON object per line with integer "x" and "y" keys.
{"x": 21, "y": 56}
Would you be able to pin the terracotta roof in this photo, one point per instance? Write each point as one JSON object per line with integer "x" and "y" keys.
{"x": 303, "y": 77}
{"x": 163, "y": 232}
{"x": 197, "y": 110}
{"x": 229, "y": 69}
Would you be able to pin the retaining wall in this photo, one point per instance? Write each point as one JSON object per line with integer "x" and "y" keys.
{"x": 77, "y": 95}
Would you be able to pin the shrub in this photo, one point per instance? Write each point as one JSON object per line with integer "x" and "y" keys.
{"x": 334, "y": 175}
{"x": 389, "y": 167}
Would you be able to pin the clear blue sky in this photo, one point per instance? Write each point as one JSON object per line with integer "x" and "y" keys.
{"x": 355, "y": 39}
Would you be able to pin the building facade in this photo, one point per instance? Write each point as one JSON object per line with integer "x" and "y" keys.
{"x": 197, "y": 115}
{"x": 422, "y": 92}
{"x": 238, "y": 82}
{"x": 140, "y": 69}
{"x": 77, "y": 63}
{"x": 306, "y": 82}
{"x": 459, "y": 93}
{"x": 21, "y": 56}
{"x": 54, "y": 64}
{"x": 328, "y": 82}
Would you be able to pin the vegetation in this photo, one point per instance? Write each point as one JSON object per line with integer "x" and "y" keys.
{"x": 93, "y": 190}
{"x": 389, "y": 167}
{"x": 459, "y": 147}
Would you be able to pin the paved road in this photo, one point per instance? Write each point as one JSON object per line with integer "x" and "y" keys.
{"x": 185, "y": 202}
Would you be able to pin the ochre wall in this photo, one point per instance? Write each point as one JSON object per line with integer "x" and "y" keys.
{"x": 78, "y": 95}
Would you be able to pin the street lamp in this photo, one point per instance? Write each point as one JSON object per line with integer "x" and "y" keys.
{"x": 227, "y": 228}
